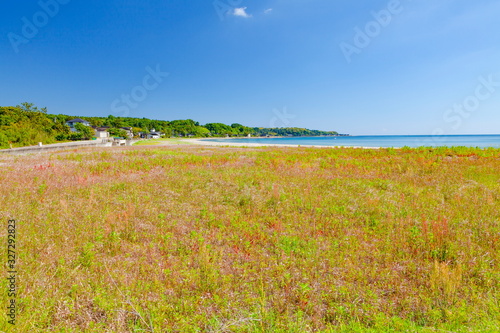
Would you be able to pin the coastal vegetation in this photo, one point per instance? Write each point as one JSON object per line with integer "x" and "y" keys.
{"x": 204, "y": 239}
{"x": 26, "y": 125}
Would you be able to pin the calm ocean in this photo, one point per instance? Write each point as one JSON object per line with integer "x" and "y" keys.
{"x": 482, "y": 141}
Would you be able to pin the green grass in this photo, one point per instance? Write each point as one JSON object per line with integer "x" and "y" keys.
{"x": 206, "y": 239}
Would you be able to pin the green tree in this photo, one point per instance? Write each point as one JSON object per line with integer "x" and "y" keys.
{"x": 29, "y": 107}
{"x": 4, "y": 140}
{"x": 241, "y": 130}
{"x": 117, "y": 132}
{"x": 183, "y": 127}
{"x": 201, "y": 132}
{"x": 26, "y": 125}
{"x": 136, "y": 131}
{"x": 86, "y": 131}
{"x": 219, "y": 129}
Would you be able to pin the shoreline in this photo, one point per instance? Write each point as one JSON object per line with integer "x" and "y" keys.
{"x": 203, "y": 142}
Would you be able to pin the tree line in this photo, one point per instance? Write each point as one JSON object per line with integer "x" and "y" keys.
{"x": 26, "y": 124}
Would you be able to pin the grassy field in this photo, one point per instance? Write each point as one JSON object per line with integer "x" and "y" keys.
{"x": 205, "y": 239}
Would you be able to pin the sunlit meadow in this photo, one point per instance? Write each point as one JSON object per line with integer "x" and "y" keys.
{"x": 205, "y": 239}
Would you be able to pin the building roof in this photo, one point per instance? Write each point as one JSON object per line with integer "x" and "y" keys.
{"x": 77, "y": 120}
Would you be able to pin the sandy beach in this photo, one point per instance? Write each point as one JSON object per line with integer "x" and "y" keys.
{"x": 241, "y": 144}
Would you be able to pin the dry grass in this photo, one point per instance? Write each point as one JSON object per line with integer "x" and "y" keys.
{"x": 188, "y": 239}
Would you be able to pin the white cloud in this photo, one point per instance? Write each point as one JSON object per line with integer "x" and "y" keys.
{"x": 268, "y": 11}
{"x": 241, "y": 12}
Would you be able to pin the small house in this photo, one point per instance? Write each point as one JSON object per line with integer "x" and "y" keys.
{"x": 150, "y": 135}
{"x": 71, "y": 123}
{"x": 130, "y": 133}
{"x": 101, "y": 132}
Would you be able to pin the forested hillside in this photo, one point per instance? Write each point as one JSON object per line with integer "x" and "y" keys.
{"x": 26, "y": 124}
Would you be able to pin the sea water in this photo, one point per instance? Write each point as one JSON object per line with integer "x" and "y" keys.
{"x": 396, "y": 141}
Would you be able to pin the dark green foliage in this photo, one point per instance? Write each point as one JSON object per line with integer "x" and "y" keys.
{"x": 241, "y": 130}
{"x": 290, "y": 131}
{"x": 117, "y": 132}
{"x": 182, "y": 127}
{"x": 61, "y": 137}
{"x": 219, "y": 129}
{"x": 75, "y": 136}
{"x": 86, "y": 131}
{"x": 26, "y": 125}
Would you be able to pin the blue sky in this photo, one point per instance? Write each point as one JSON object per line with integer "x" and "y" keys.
{"x": 358, "y": 67}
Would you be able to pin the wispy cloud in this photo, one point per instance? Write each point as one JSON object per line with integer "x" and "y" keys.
{"x": 268, "y": 11}
{"x": 241, "y": 12}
